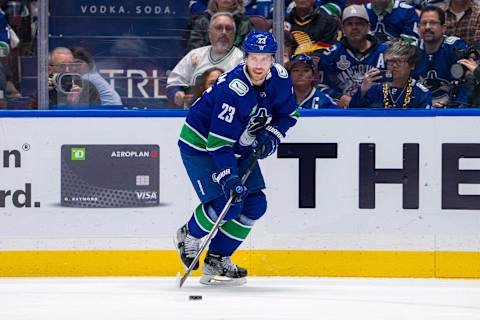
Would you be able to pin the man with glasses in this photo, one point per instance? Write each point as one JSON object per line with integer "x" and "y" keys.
{"x": 438, "y": 54}
{"x": 65, "y": 84}
{"x": 400, "y": 91}
{"x": 250, "y": 107}
{"x": 220, "y": 54}
{"x": 343, "y": 66}
{"x": 307, "y": 94}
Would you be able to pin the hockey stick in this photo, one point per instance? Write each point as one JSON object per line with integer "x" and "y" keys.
{"x": 181, "y": 281}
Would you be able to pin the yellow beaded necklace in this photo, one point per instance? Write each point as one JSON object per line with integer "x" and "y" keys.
{"x": 406, "y": 100}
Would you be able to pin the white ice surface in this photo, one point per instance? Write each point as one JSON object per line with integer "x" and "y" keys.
{"x": 261, "y": 298}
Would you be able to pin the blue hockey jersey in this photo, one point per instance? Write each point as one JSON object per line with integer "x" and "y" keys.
{"x": 342, "y": 69}
{"x": 4, "y": 33}
{"x": 433, "y": 70}
{"x": 317, "y": 100}
{"x": 401, "y": 22}
{"x": 375, "y": 98}
{"x": 223, "y": 121}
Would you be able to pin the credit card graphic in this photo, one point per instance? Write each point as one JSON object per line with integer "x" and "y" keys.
{"x": 110, "y": 176}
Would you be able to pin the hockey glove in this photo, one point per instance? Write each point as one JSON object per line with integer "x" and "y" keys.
{"x": 267, "y": 141}
{"x": 231, "y": 185}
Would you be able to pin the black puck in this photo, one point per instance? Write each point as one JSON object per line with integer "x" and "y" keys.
{"x": 195, "y": 297}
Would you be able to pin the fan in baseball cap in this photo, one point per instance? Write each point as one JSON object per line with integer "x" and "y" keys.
{"x": 355, "y": 10}
{"x": 301, "y": 58}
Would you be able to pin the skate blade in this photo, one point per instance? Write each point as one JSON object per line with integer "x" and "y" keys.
{"x": 222, "y": 281}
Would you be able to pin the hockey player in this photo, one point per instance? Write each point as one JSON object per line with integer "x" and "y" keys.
{"x": 393, "y": 19}
{"x": 251, "y": 105}
{"x": 438, "y": 54}
{"x": 343, "y": 66}
{"x": 401, "y": 91}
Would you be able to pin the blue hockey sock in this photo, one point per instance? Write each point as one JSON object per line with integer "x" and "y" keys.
{"x": 201, "y": 222}
{"x": 230, "y": 236}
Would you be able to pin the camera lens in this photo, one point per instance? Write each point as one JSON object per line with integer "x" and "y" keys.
{"x": 457, "y": 71}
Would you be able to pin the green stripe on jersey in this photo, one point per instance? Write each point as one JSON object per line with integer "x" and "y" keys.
{"x": 202, "y": 219}
{"x": 296, "y": 113}
{"x": 216, "y": 142}
{"x": 235, "y": 230}
{"x": 192, "y": 137}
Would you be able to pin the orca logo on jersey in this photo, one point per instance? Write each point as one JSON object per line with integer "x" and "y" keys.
{"x": 239, "y": 87}
{"x": 439, "y": 87}
{"x": 380, "y": 31}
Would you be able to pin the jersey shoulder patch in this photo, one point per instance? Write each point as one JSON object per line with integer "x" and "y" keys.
{"x": 451, "y": 39}
{"x": 404, "y": 5}
{"x": 330, "y": 50}
{"x": 239, "y": 87}
{"x": 421, "y": 86}
{"x": 282, "y": 72}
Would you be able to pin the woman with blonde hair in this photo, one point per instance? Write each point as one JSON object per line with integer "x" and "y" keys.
{"x": 199, "y": 24}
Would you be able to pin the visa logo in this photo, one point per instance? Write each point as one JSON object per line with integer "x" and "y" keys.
{"x": 146, "y": 195}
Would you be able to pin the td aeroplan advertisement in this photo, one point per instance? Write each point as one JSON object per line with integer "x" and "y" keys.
{"x": 110, "y": 176}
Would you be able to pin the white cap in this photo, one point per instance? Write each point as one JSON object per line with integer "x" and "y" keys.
{"x": 355, "y": 10}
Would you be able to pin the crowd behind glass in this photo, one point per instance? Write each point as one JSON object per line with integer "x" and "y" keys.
{"x": 339, "y": 54}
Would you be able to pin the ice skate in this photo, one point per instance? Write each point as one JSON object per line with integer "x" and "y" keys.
{"x": 187, "y": 247}
{"x": 219, "y": 270}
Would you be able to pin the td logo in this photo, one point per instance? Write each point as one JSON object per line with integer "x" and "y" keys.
{"x": 78, "y": 153}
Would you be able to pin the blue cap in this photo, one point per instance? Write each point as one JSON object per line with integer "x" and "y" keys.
{"x": 260, "y": 42}
{"x": 301, "y": 58}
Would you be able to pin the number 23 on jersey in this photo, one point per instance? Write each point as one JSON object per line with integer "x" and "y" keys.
{"x": 227, "y": 113}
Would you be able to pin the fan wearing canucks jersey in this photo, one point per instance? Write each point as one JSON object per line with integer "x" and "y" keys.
{"x": 393, "y": 19}
{"x": 307, "y": 94}
{"x": 438, "y": 54}
{"x": 398, "y": 91}
{"x": 343, "y": 66}
{"x": 251, "y": 106}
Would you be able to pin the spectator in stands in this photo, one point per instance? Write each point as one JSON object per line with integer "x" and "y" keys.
{"x": 289, "y": 46}
{"x": 313, "y": 30}
{"x": 4, "y": 29}
{"x": 463, "y": 20}
{"x": 330, "y": 7}
{"x": 7, "y": 88}
{"x": 262, "y": 8}
{"x": 342, "y": 68}
{"x": 393, "y": 19}
{"x": 473, "y": 99}
{"x": 398, "y": 91}
{"x": 206, "y": 80}
{"x": 80, "y": 92}
{"x": 221, "y": 54}
{"x": 85, "y": 65}
{"x": 438, "y": 54}
{"x": 308, "y": 96}
{"x": 199, "y": 35}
